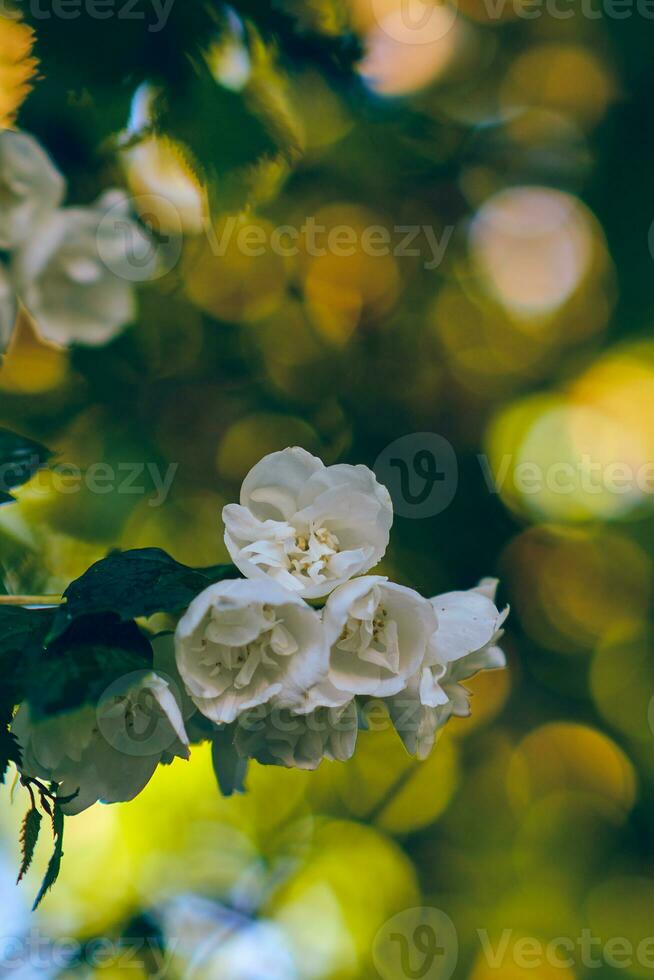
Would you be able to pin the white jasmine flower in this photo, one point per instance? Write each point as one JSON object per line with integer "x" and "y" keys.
{"x": 109, "y": 752}
{"x": 307, "y": 526}
{"x": 280, "y": 737}
{"x": 465, "y": 642}
{"x": 242, "y": 643}
{"x": 30, "y": 186}
{"x": 378, "y": 634}
{"x": 76, "y": 273}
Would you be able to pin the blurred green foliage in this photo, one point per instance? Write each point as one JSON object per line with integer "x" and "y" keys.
{"x": 527, "y": 137}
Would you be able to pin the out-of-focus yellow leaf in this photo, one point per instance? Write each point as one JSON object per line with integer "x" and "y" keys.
{"x": 31, "y": 365}
{"x": 17, "y": 66}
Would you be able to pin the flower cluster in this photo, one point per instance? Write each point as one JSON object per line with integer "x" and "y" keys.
{"x": 294, "y": 679}
{"x": 71, "y": 267}
{"x": 280, "y": 665}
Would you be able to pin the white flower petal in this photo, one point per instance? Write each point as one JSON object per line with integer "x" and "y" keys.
{"x": 378, "y": 634}
{"x": 307, "y": 526}
{"x": 30, "y": 186}
{"x": 272, "y": 645}
{"x": 286, "y": 471}
{"x": 467, "y": 621}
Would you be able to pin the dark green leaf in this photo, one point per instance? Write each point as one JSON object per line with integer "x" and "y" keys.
{"x": 229, "y": 767}
{"x": 77, "y": 668}
{"x": 295, "y": 28}
{"x": 20, "y": 458}
{"x": 54, "y": 867}
{"x": 22, "y": 639}
{"x": 135, "y": 583}
{"x": 29, "y": 835}
{"x": 9, "y": 752}
{"x": 222, "y": 135}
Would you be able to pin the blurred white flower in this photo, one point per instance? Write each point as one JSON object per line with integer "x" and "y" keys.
{"x": 108, "y": 752}
{"x": 307, "y": 526}
{"x": 378, "y": 634}
{"x": 281, "y": 737}
{"x": 465, "y": 642}
{"x": 242, "y": 643}
{"x": 30, "y": 186}
{"x": 76, "y": 273}
{"x": 8, "y": 307}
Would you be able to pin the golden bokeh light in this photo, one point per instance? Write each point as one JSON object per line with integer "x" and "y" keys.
{"x": 253, "y": 437}
{"x": 354, "y": 879}
{"x": 346, "y": 283}
{"x": 384, "y": 785}
{"x": 534, "y": 245}
{"x": 559, "y": 459}
{"x": 524, "y": 957}
{"x": 622, "y": 684}
{"x": 563, "y": 77}
{"x": 563, "y": 585}
{"x": 232, "y": 272}
{"x": 575, "y": 759}
{"x": 180, "y": 528}
{"x": 406, "y": 53}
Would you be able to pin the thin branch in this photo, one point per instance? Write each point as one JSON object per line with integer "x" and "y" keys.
{"x": 31, "y": 600}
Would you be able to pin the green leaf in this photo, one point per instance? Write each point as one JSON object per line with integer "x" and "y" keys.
{"x": 135, "y": 583}
{"x": 29, "y": 835}
{"x": 9, "y": 752}
{"x": 20, "y": 458}
{"x": 93, "y": 94}
{"x": 78, "y": 667}
{"x": 229, "y": 767}
{"x": 22, "y": 640}
{"x": 221, "y": 133}
{"x": 296, "y": 27}
{"x": 54, "y": 866}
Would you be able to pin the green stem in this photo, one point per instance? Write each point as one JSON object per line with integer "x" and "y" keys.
{"x": 31, "y": 600}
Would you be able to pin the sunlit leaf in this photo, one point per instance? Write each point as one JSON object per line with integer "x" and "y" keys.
{"x": 54, "y": 866}
{"x": 29, "y": 836}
